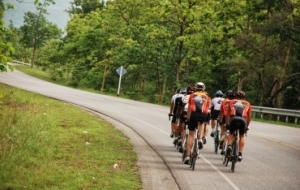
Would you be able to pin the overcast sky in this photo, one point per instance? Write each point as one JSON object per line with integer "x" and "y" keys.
{"x": 56, "y": 12}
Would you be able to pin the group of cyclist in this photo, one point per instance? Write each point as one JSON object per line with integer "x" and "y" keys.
{"x": 194, "y": 108}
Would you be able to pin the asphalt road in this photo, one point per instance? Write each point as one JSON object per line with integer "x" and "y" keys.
{"x": 271, "y": 155}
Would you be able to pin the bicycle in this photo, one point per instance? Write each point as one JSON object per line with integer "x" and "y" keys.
{"x": 233, "y": 157}
{"x": 194, "y": 151}
{"x": 224, "y": 148}
{"x": 217, "y": 137}
{"x": 184, "y": 142}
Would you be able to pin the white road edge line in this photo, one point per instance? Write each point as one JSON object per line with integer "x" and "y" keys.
{"x": 221, "y": 173}
{"x": 211, "y": 165}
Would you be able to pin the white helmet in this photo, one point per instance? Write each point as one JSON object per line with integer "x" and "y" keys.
{"x": 200, "y": 86}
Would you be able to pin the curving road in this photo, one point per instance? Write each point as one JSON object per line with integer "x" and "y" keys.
{"x": 271, "y": 155}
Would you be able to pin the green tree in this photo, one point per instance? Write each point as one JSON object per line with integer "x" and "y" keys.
{"x": 6, "y": 49}
{"x": 37, "y": 30}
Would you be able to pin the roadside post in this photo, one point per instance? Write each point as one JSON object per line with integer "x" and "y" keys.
{"x": 121, "y": 71}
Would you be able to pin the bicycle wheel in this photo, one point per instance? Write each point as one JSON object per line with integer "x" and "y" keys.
{"x": 191, "y": 161}
{"x": 194, "y": 161}
{"x": 234, "y": 155}
{"x": 183, "y": 154}
{"x": 224, "y": 159}
{"x": 217, "y": 141}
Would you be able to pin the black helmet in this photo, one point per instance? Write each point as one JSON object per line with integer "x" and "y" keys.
{"x": 200, "y": 86}
{"x": 219, "y": 93}
{"x": 231, "y": 94}
{"x": 190, "y": 89}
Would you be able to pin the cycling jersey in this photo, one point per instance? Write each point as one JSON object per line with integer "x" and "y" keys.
{"x": 239, "y": 108}
{"x": 199, "y": 102}
{"x": 185, "y": 102}
{"x": 224, "y": 106}
{"x": 216, "y": 103}
{"x": 177, "y": 100}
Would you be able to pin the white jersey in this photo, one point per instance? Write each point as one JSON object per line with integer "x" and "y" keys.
{"x": 216, "y": 103}
{"x": 185, "y": 100}
{"x": 174, "y": 97}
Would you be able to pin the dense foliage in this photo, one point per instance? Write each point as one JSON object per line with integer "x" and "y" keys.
{"x": 249, "y": 45}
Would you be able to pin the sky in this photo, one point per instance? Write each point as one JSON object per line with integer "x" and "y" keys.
{"x": 56, "y": 12}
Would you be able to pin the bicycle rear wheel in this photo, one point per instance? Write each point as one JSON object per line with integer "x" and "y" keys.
{"x": 193, "y": 163}
{"x": 234, "y": 155}
{"x": 217, "y": 141}
{"x": 224, "y": 159}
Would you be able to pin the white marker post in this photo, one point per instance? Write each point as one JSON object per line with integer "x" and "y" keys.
{"x": 121, "y": 71}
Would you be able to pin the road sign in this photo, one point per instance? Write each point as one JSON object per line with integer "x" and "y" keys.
{"x": 121, "y": 71}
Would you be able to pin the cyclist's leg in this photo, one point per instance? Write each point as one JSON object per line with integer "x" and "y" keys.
{"x": 223, "y": 132}
{"x": 214, "y": 116}
{"x": 192, "y": 126}
{"x": 201, "y": 118}
{"x": 205, "y": 128}
{"x": 173, "y": 125}
{"x": 231, "y": 128}
{"x": 182, "y": 125}
{"x": 242, "y": 131}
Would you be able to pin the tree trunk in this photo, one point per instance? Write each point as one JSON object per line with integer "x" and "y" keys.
{"x": 33, "y": 57}
{"x": 104, "y": 75}
{"x": 281, "y": 76}
{"x": 163, "y": 90}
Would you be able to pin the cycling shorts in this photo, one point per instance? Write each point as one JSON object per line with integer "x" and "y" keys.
{"x": 195, "y": 118}
{"x": 174, "y": 118}
{"x": 239, "y": 123}
{"x": 183, "y": 116}
{"x": 215, "y": 114}
{"x": 207, "y": 118}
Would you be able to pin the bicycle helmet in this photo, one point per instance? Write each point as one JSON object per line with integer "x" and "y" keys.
{"x": 182, "y": 91}
{"x": 241, "y": 94}
{"x": 231, "y": 94}
{"x": 200, "y": 86}
{"x": 219, "y": 93}
{"x": 190, "y": 89}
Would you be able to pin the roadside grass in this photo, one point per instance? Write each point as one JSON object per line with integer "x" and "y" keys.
{"x": 48, "y": 144}
{"x": 39, "y": 73}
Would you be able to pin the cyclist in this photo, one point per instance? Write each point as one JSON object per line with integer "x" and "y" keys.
{"x": 173, "y": 121}
{"x": 230, "y": 95}
{"x": 199, "y": 105}
{"x": 239, "y": 112}
{"x": 176, "y": 114}
{"x": 207, "y": 122}
{"x": 215, "y": 107}
{"x": 183, "y": 112}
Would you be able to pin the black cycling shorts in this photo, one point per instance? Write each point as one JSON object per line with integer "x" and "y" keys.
{"x": 183, "y": 116}
{"x": 215, "y": 114}
{"x": 174, "y": 118}
{"x": 239, "y": 123}
{"x": 195, "y": 118}
{"x": 207, "y": 118}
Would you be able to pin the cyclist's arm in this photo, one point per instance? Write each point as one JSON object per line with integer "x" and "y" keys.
{"x": 249, "y": 116}
{"x": 227, "y": 116}
{"x": 188, "y": 115}
{"x": 171, "y": 107}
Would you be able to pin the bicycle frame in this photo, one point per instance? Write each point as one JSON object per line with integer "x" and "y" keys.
{"x": 184, "y": 143}
{"x": 216, "y": 137}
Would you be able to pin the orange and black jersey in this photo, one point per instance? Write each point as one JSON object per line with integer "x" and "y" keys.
{"x": 239, "y": 108}
{"x": 199, "y": 102}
